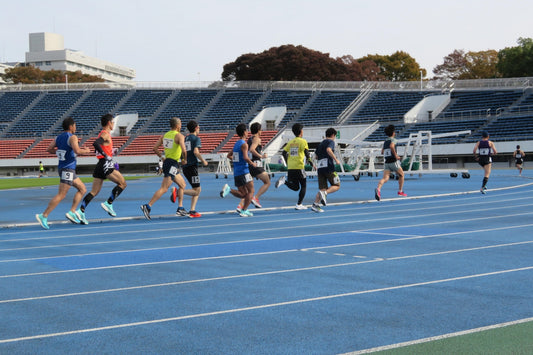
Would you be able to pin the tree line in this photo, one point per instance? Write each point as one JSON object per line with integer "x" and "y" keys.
{"x": 298, "y": 63}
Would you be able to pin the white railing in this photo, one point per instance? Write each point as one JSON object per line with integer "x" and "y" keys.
{"x": 429, "y": 85}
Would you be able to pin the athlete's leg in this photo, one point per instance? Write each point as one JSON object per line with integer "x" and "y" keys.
{"x": 80, "y": 186}
{"x": 61, "y": 194}
{"x": 165, "y": 184}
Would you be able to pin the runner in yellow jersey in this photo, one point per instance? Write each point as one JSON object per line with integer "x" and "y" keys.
{"x": 174, "y": 147}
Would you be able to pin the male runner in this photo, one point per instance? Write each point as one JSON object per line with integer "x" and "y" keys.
{"x": 243, "y": 180}
{"x": 326, "y": 159}
{"x": 294, "y": 153}
{"x": 392, "y": 163}
{"x": 67, "y": 149}
{"x": 174, "y": 145}
{"x": 483, "y": 152}
{"x": 105, "y": 169}
{"x": 519, "y": 156}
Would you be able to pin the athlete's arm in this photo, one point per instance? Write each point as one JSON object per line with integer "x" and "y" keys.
{"x": 244, "y": 148}
{"x": 199, "y": 156}
{"x": 393, "y": 151}
{"x": 52, "y": 147}
{"x": 98, "y": 146}
{"x": 178, "y": 139}
{"x": 73, "y": 141}
{"x": 332, "y": 155}
{"x": 493, "y": 147}
{"x": 157, "y": 145}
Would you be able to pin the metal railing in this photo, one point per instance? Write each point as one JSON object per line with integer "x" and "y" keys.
{"x": 429, "y": 85}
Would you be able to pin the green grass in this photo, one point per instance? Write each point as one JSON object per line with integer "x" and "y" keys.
{"x": 17, "y": 183}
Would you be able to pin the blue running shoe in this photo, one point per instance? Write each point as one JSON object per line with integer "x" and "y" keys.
{"x": 43, "y": 221}
{"x": 71, "y": 216}
{"x": 181, "y": 212}
{"x": 225, "y": 191}
{"x": 246, "y": 213}
{"x": 108, "y": 208}
{"x": 146, "y": 210}
{"x": 81, "y": 216}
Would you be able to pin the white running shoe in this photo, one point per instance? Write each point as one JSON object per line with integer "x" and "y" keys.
{"x": 300, "y": 207}
{"x": 316, "y": 208}
{"x": 280, "y": 181}
{"x": 323, "y": 195}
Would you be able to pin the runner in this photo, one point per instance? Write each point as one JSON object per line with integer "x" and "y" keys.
{"x": 326, "y": 159}
{"x": 392, "y": 163}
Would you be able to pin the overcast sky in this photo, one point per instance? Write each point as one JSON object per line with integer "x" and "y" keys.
{"x": 192, "y": 40}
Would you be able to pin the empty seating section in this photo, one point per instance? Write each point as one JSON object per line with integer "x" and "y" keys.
{"x": 444, "y": 127}
{"x": 41, "y": 117}
{"x": 387, "y": 106}
{"x": 142, "y": 145}
{"x": 466, "y": 104}
{"x": 87, "y": 114}
{"x": 39, "y": 150}
{"x": 12, "y": 103}
{"x": 229, "y": 110}
{"x": 186, "y": 105}
{"x": 326, "y": 107}
{"x": 526, "y": 105}
{"x": 10, "y": 149}
{"x": 266, "y": 136}
{"x": 145, "y": 102}
{"x": 25, "y": 115}
{"x": 509, "y": 129}
{"x": 211, "y": 141}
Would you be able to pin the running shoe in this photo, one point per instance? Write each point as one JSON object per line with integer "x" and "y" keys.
{"x": 174, "y": 194}
{"x": 42, "y": 220}
{"x": 256, "y": 203}
{"x": 323, "y": 195}
{"x": 71, "y": 216}
{"x": 246, "y": 213}
{"x": 239, "y": 208}
{"x": 401, "y": 193}
{"x": 482, "y": 190}
{"x": 377, "y": 194}
{"x": 181, "y": 211}
{"x": 316, "y": 208}
{"x": 146, "y": 210}
{"x": 194, "y": 214}
{"x": 225, "y": 191}
{"x": 108, "y": 208}
{"x": 280, "y": 181}
{"x": 81, "y": 216}
{"x": 300, "y": 207}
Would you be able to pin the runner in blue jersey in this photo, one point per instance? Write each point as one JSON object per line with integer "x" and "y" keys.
{"x": 483, "y": 152}
{"x": 243, "y": 179}
{"x": 67, "y": 149}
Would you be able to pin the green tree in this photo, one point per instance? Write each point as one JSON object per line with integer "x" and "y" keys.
{"x": 399, "y": 66}
{"x": 298, "y": 63}
{"x": 33, "y": 75}
{"x": 516, "y": 61}
{"x": 459, "y": 65}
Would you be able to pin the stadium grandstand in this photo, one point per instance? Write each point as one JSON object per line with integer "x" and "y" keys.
{"x": 31, "y": 115}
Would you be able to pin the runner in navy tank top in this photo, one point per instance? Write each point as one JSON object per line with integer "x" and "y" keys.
{"x": 483, "y": 152}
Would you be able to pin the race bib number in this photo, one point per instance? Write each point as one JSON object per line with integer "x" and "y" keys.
{"x": 247, "y": 178}
{"x": 258, "y": 163}
{"x": 67, "y": 176}
{"x": 108, "y": 165}
{"x": 518, "y": 156}
{"x": 188, "y": 147}
{"x": 195, "y": 179}
{"x": 236, "y": 157}
{"x": 322, "y": 163}
{"x": 387, "y": 153}
{"x": 294, "y": 151}
{"x": 168, "y": 143}
{"x": 61, "y": 154}
{"x": 484, "y": 151}
{"x": 173, "y": 170}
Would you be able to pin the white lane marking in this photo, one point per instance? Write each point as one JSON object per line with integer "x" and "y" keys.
{"x": 263, "y": 306}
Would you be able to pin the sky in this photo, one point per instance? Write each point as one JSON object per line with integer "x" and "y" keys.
{"x": 192, "y": 40}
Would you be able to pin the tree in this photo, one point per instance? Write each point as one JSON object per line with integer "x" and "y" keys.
{"x": 298, "y": 63}
{"x": 33, "y": 75}
{"x": 516, "y": 61}
{"x": 399, "y": 66}
{"x": 459, "y": 65}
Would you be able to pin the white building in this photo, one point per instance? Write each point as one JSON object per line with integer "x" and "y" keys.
{"x": 47, "y": 52}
